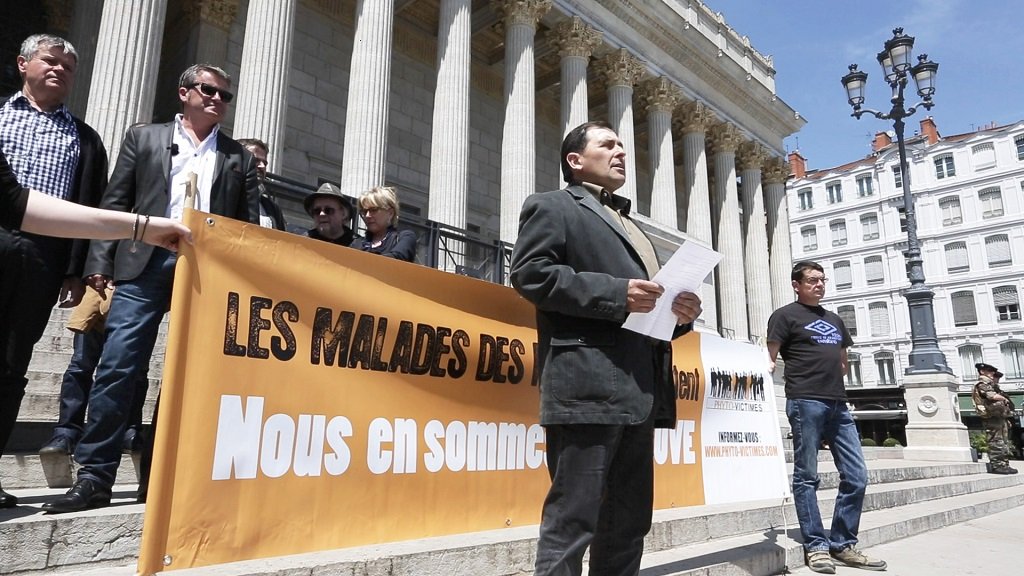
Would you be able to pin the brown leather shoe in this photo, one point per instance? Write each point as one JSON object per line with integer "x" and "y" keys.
{"x": 85, "y": 494}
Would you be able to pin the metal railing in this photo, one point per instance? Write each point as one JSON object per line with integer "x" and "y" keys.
{"x": 439, "y": 245}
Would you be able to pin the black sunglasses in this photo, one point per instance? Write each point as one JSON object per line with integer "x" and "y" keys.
{"x": 210, "y": 91}
{"x": 327, "y": 210}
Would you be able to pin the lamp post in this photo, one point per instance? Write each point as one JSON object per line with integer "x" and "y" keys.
{"x": 895, "y": 59}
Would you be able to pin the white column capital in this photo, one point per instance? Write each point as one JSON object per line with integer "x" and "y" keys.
{"x": 620, "y": 68}
{"x": 693, "y": 117}
{"x": 574, "y": 38}
{"x": 775, "y": 171}
{"x": 724, "y": 137}
{"x": 751, "y": 156}
{"x": 220, "y": 13}
{"x": 659, "y": 94}
{"x": 521, "y": 12}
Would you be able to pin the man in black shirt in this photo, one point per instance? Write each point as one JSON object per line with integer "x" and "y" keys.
{"x": 813, "y": 342}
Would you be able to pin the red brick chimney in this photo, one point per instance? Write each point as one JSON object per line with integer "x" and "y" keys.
{"x": 882, "y": 140}
{"x": 929, "y": 130}
{"x": 797, "y": 164}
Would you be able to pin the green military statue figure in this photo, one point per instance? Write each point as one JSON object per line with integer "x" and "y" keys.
{"x": 995, "y": 410}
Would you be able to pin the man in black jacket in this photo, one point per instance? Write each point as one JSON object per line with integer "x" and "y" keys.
{"x": 585, "y": 265}
{"x": 270, "y": 213}
{"x": 55, "y": 153}
{"x": 150, "y": 178}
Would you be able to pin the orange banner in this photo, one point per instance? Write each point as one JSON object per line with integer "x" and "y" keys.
{"x": 318, "y": 397}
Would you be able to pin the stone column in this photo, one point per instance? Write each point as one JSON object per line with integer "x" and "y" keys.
{"x": 85, "y": 29}
{"x": 693, "y": 120}
{"x": 751, "y": 157}
{"x": 934, "y": 430}
{"x": 123, "y": 85}
{"x": 575, "y": 42}
{"x": 263, "y": 79}
{"x": 211, "y": 21}
{"x": 660, "y": 96}
{"x": 366, "y": 115}
{"x": 518, "y": 155}
{"x": 449, "y": 143}
{"x": 622, "y": 71}
{"x": 780, "y": 256}
{"x": 725, "y": 139}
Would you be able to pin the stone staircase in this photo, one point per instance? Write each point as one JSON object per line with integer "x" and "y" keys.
{"x": 753, "y": 539}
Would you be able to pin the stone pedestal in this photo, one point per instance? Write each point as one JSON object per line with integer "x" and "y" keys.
{"x": 934, "y": 430}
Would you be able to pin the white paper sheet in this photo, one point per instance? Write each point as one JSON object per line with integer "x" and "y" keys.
{"x": 685, "y": 271}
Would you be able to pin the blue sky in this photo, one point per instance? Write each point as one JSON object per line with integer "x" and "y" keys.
{"x": 977, "y": 43}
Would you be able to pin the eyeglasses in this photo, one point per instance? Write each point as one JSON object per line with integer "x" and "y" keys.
{"x": 327, "y": 210}
{"x": 811, "y": 281}
{"x": 210, "y": 91}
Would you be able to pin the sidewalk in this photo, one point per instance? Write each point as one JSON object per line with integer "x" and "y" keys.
{"x": 991, "y": 545}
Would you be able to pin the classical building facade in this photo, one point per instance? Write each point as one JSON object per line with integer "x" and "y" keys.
{"x": 969, "y": 196}
{"x": 462, "y": 105}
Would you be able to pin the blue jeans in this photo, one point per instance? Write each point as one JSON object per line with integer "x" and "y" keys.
{"x": 77, "y": 382}
{"x": 813, "y": 421}
{"x": 136, "y": 310}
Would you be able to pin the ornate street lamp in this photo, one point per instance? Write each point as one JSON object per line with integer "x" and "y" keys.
{"x": 895, "y": 59}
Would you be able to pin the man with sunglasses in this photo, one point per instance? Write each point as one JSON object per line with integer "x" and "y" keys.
{"x": 151, "y": 176}
{"x": 331, "y": 213}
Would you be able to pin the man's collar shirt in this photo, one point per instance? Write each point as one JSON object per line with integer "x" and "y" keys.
{"x": 200, "y": 158}
{"x": 618, "y": 207}
{"x": 42, "y": 147}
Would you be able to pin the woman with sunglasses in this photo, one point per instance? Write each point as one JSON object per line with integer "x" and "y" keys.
{"x": 379, "y": 210}
{"x": 38, "y": 213}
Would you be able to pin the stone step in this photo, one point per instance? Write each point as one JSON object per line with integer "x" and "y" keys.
{"x": 772, "y": 550}
{"x": 870, "y": 453}
{"x": 45, "y": 406}
{"x": 111, "y": 535}
{"x": 31, "y": 471}
{"x": 777, "y": 550}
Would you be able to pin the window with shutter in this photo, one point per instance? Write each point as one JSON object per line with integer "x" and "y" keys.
{"x": 853, "y": 370}
{"x": 864, "y": 186}
{"x": 841, "y": 274}
{"x": 951, "y": 213}
{"x": 998, "y": 249}
{"x": 1019, "y": 142}
{"x": 873, "y": 271}
{"x": 970, "y": 355}
{"x": 1005, "y": 300}
{"x": 964, "y": 312}
{"x": 944, "y": 167}
{"x": 849, "y": 317}
{"x": 991, "y": 202}
{"x": 984, "y": 155}
{"x": 1013, "y": 358}
{"x": 886, "y": 367}
{"x": 956, "y": 257}
{"x": 879, "y": 314}
{"x": 810, "y": 238}
{"x": 838, "y": 228}
{"x": 869, "y": 225}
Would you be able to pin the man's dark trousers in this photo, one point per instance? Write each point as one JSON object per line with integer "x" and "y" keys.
{"x": 32, "y": 269}
{"x": 584, "y": 460}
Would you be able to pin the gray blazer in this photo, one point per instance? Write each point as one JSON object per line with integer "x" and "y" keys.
{"x": 573, "y": 261}
{"x": 139, "y": 184}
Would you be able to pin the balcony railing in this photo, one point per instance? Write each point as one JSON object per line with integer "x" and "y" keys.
{"x": 439, "y": 245}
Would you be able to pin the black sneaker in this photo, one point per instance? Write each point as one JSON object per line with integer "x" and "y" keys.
{"x": 1004, "y": 469}
{"x": 58, "y": 445}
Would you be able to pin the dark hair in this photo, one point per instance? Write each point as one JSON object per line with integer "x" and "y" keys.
{"x": 576, "y": 141}
{"x": 254, "y": 143}
{"x": 804, "y": 265}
